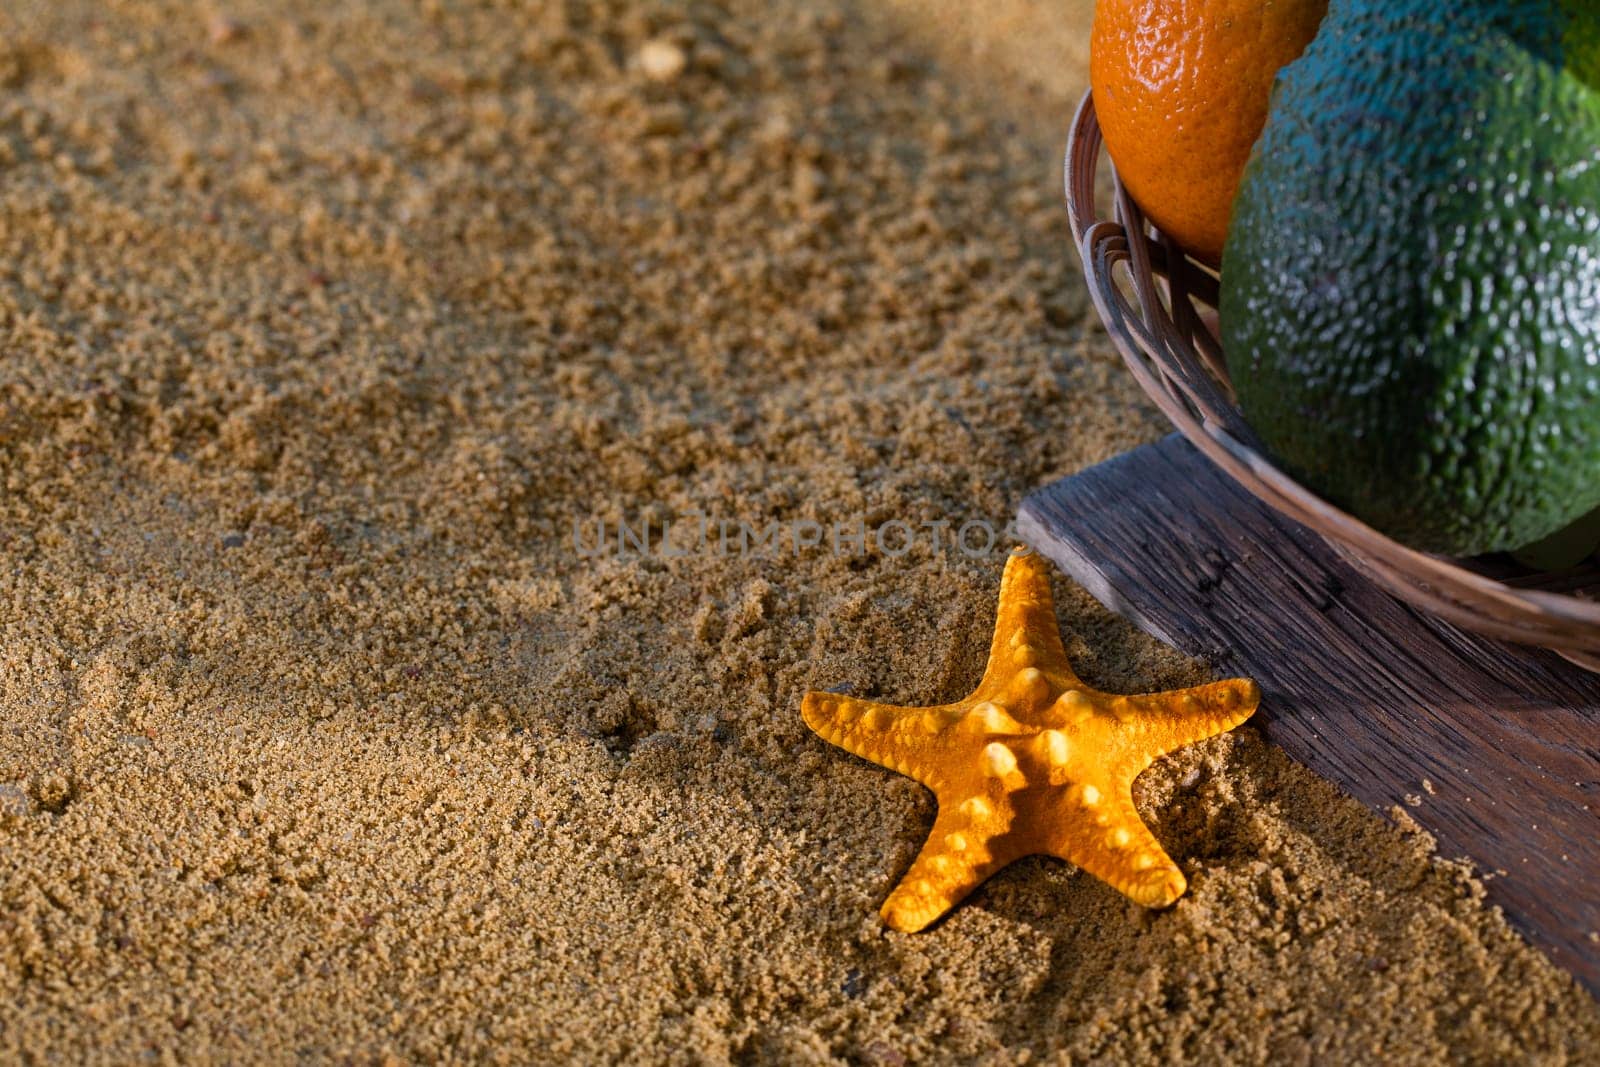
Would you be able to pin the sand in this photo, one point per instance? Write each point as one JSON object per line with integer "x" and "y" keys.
{"x": 324, "y": 322}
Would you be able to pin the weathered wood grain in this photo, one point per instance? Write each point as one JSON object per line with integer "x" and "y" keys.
{"x": 1357, "y": 685}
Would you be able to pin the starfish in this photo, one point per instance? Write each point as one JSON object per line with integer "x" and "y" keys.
{"x": 1034, "y": 761}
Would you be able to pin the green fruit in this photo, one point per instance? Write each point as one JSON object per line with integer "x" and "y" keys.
{"x": 1563, "y": 32}
{"x": 1411, "y": 285}
{"x": 1578, "y": 48}
{"x": 1565, "y": 548}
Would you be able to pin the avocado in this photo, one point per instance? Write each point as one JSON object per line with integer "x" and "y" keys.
{"x": 1568, "y": 37}
{"x": 1564, "y": 549}
{"x": 1411, "y": 283}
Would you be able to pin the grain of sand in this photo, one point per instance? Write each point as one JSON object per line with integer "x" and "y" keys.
{"x": 322, "y": 323}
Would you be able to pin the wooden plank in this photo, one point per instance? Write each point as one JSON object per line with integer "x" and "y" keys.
{"x": 1357, "y": 686}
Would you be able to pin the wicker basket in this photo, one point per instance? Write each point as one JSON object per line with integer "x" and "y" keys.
{"x": 1150, "y": 296}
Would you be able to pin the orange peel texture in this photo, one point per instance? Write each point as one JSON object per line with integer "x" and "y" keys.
{"x": 1182, "y": 91}
{"x": 1034, "y": 761}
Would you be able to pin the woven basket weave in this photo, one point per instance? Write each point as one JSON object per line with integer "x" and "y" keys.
{"x": 1151, "y": 297}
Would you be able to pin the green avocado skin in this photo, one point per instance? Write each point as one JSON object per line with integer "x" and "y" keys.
{"x": 1578, "y": 26}
{"x": 1411, "y": 284}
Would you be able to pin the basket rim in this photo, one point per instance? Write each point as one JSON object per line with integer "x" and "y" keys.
{"x": 1175, "y": 364}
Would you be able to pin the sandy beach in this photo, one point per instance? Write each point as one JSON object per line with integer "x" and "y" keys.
{"x": 329, "y": 328}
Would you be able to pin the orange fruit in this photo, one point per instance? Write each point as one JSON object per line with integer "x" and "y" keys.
{"x": 1181, "y": 89}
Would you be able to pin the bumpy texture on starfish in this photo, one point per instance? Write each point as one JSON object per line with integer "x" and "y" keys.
{"x": 1034, "y": 761}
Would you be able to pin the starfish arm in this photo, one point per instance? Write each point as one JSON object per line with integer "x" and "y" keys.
{"x": 959, "y": 855}
{"x": 1033, "y": 761}
{"x": 1164, "y": 722}
{"x": 899, "y": 738}
{"x": 1110, "y": 841}
{"x": 1026, "y": 633}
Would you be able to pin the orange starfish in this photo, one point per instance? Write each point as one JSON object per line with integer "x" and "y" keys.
{"x": 1034, "y": 761}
